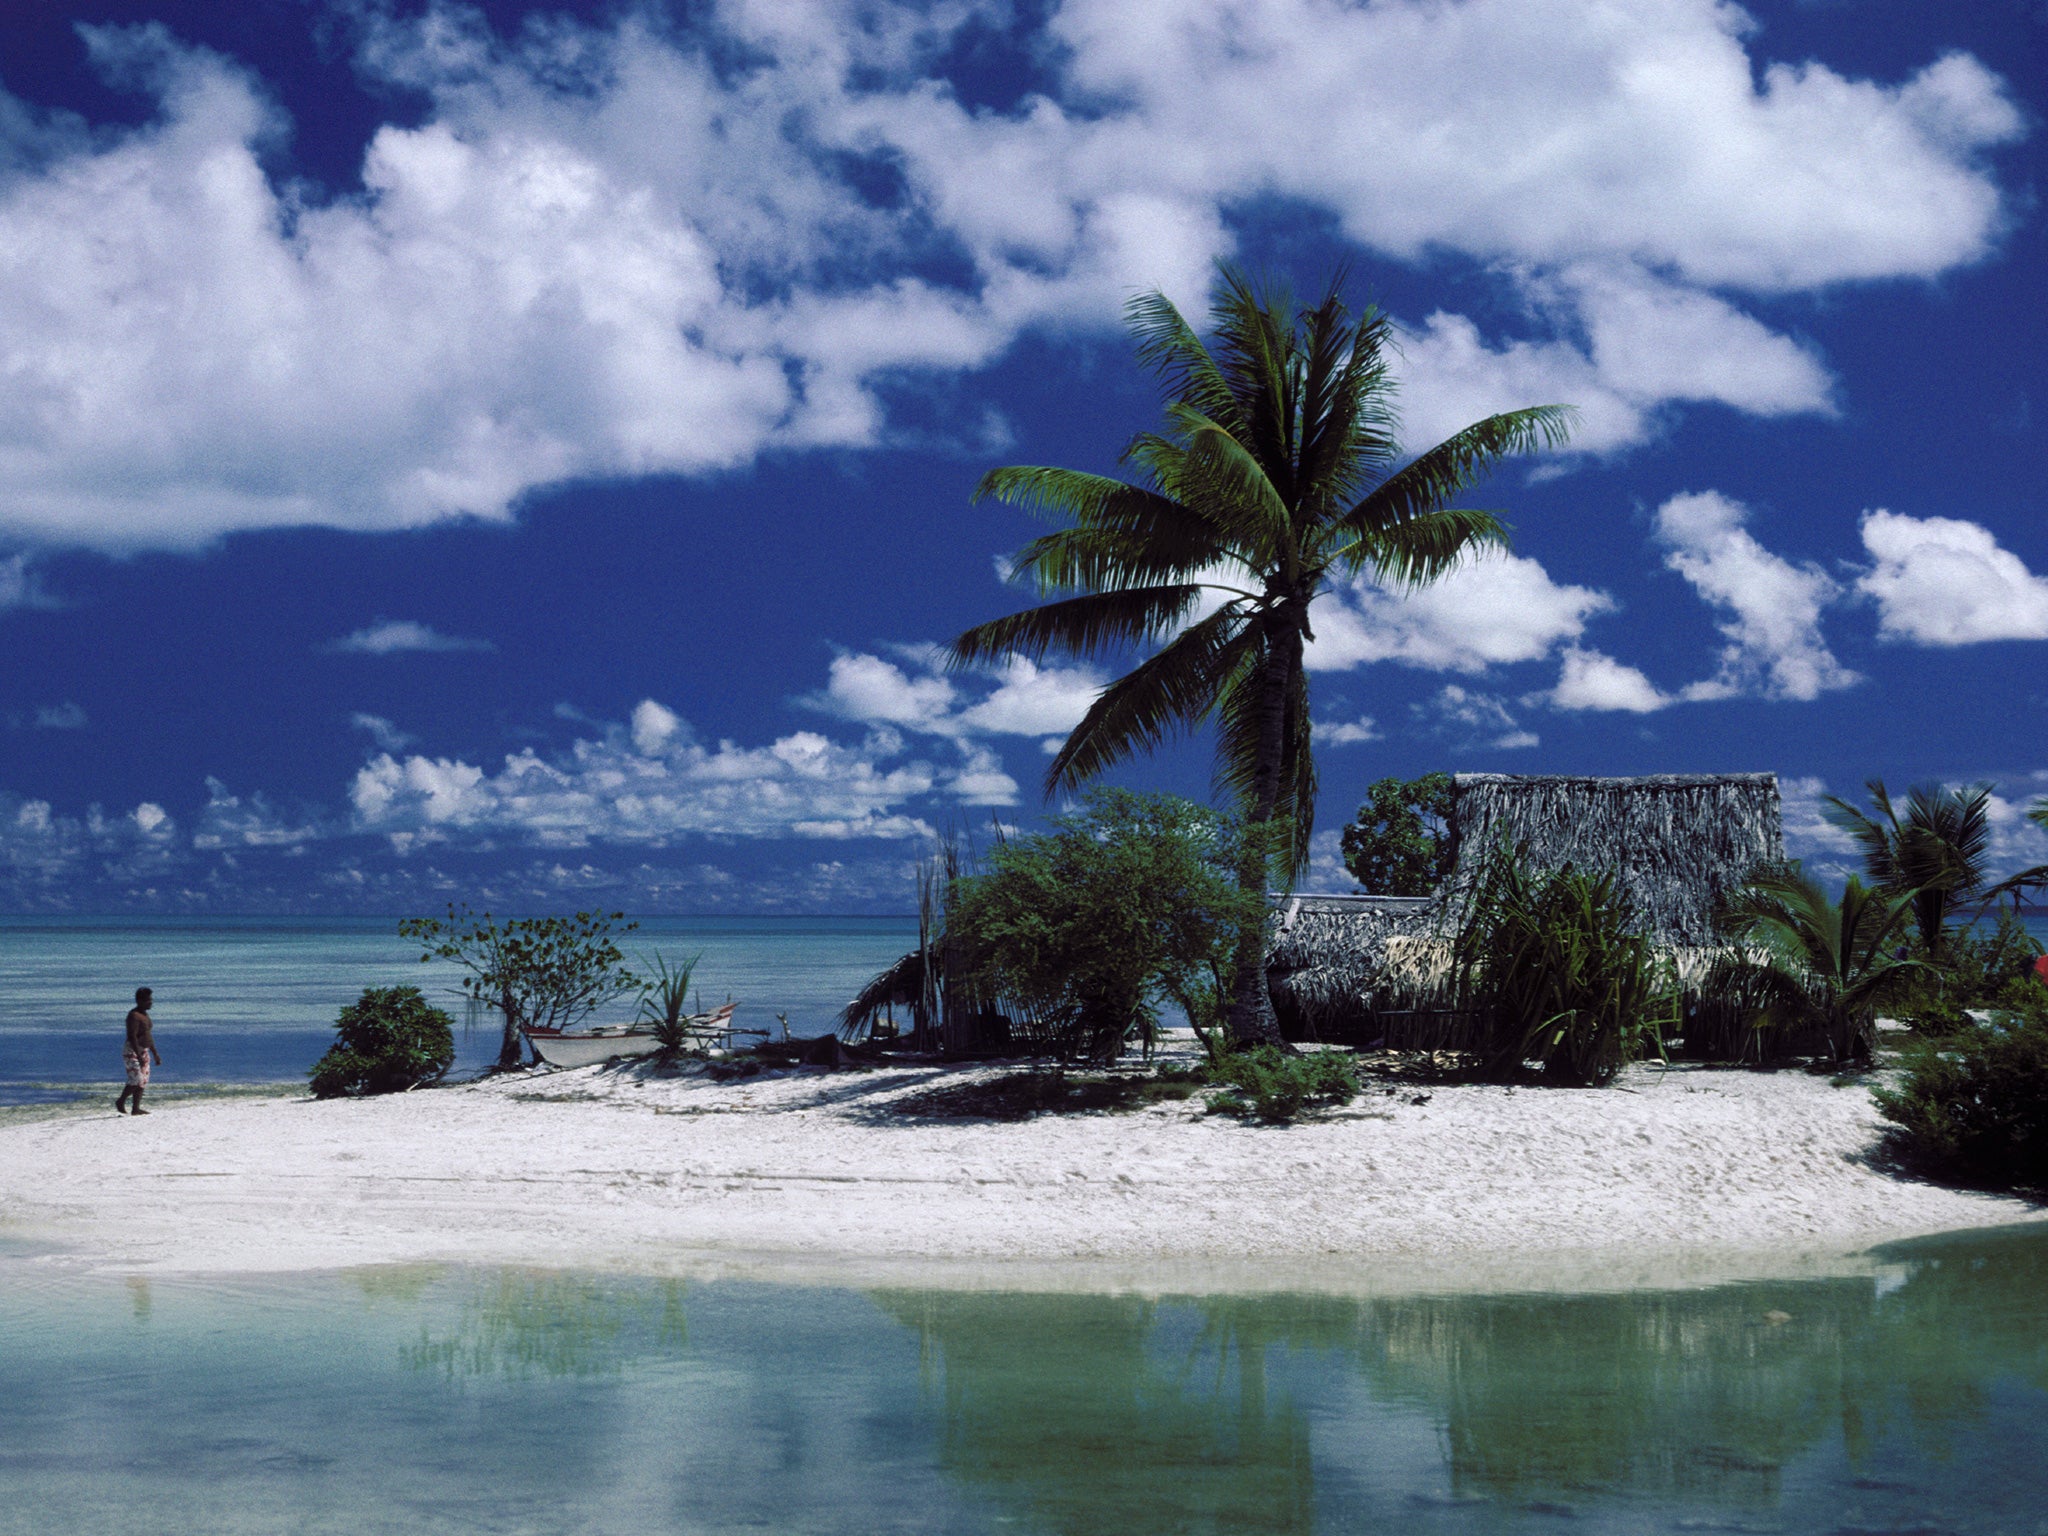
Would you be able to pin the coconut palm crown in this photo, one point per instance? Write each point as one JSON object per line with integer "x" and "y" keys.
{"x": 1277, "y": 471}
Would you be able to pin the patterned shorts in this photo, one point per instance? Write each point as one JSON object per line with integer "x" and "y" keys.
{"x": 137, "y": 1063}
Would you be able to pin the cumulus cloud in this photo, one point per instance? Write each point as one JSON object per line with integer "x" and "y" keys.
{"x": 382, "y": 731}
{"x": 1494, "y": 609}
{"x": 629, "y": 249}
{"x": 389, "y": 637}
{"x": 1013, "y": 697}
{"x": 1347, "y": 733}
{"x": 44, "y": 854}
{"x": 1474, "y": 719}
{"x": 60, "y": 717}
{"x": 653, "y": 782}
{"x": 1943, "y": 581}
{"x": 1771, "y": 607}
{"x": 1592, "y": 680}
{"x": 21, "y": 587}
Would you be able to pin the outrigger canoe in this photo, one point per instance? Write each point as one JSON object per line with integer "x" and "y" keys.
{"x": 619, "y": 1042}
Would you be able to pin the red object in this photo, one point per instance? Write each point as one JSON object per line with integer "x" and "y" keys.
{"x": 2041, "y": 967}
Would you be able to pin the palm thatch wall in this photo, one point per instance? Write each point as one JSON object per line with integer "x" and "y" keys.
{"x": 1363, "y": 967}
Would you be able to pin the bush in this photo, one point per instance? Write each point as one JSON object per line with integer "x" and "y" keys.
{"x": 1265, "y": 1083}
{"x": 1976, "y": 967}
{"x": 1559, "y": 975}
{"x": 1973, "y": 1106}
{"x": 388, "y": 1040}
{"x": 1082, "y": 932}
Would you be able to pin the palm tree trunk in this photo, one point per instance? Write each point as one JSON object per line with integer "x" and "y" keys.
{"x": 1251, "y": 1018}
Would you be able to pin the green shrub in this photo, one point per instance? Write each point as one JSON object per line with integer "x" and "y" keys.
{"x": 1975, "y": 967}
{"x": 1266, "y": 1083}
{"x": 1973, "y": 1105}
{"x": 1083, "y": 931}
{"x": 1559, "y": 976}
{"x": 386, "y": 1041}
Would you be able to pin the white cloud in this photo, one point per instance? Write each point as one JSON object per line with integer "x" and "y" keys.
{"x": 1495, "y": 609}
{"x": 233, "y": 821}
{"x": 1592, "y": 680}
{"x": 382, "y": 731}
{"x": 1772, "y": 607}
{"x": 1026, "y": 699}
{"x": 60, "y": 717}
{"x": 1346, "y": 733}
{"x": 654, "y": 783}
{"x": 388, "y": 637}
{"x": 635, "y": 250}
{"x": 1475, "y": 719}
{"x": 20, "y": 587}
{"x": 1943, "y": 581}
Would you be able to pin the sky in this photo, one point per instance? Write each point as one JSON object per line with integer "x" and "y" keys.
{"x": 524, "y": 454}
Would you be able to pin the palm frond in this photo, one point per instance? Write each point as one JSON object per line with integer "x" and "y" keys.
{"x": 1106, "y": 560}
{"x": 1080, "y": 626}
{"x": 1173, "y": 690}
{"x": 1430, "y": 480}
{"x": 1425, "y": 548}
{"x": 1169, "y": 347}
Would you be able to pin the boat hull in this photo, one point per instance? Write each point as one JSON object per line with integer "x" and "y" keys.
{"x": 589, "y": 1050}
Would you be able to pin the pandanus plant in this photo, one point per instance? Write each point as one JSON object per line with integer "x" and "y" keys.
{"x": 665, "y": 1002}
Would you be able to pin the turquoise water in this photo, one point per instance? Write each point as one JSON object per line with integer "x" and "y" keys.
{"x": 424, "y": 1400}
{"x": 253, "y": 1000}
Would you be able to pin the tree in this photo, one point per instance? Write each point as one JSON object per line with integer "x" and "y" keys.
{"x": 386, "y": 1041}
{"x": 1828, "y": 959}
{"x": 1937, "y": 853}
{"x": 1129, "y": 901}
{"x": 1277, "y": 472}
{"x": 1399, "y": 844}
{"x": 547, "y": 971}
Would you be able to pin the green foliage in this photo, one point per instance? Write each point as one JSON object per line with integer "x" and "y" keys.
{"x": 1972, "y": 1105}
{"x": 1975, "y": 967}
{"x": 1821, "y": 964}
{"x": 1277, "y": 1088}
{"x": 1560, "y": 975}
{"x": 386, "y": 1041}
{"x": 1125, "y": 903}
{"x": 552, "y": 972}
{"x": 1276, "y": 473}
{"x": 1399, "y": 844}
{"x": 1934, "y": 857}
{"x": 665, "y": 1003}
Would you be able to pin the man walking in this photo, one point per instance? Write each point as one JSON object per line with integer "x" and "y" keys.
{"x": 137, "y": 1054}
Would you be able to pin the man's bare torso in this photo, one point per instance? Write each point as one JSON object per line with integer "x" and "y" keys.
{"x": 140, "y": 1040}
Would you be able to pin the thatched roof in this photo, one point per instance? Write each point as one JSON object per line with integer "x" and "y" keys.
{"x": 1679, "y": 843}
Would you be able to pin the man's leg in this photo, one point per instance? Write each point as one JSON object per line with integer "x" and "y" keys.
{"x": 136, "y": 1108}
{"x": 121, "y": 1101}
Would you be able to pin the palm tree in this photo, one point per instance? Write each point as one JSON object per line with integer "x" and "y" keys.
{"x": 1825, "y": 962}
{"x": 1937, "y": 853}
{"x": 1277, "y": 471}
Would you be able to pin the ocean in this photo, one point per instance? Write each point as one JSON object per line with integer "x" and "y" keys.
{"x": 253, "y": 1000}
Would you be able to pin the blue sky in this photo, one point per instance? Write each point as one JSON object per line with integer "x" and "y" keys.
{"x": 522, "y": 454}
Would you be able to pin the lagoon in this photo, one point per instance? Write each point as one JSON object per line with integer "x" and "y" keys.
{"x": 431, "y": 1399}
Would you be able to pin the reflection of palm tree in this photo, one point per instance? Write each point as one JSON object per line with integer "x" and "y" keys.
{"x": 521, "y": 1323}
{"x": 1274, "y": 476}
{"x": 1068, "y": 1408}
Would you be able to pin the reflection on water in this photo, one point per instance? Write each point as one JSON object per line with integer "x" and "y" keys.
{"x": 520, "y": 1323}
{"x": 427, "y": 1398}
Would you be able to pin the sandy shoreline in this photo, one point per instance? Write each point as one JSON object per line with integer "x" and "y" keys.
{"x": 1683, "y": 1176}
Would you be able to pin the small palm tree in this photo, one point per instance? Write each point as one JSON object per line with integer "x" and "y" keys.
{"x": 1937, "y": 853}
{"x": 1823, "y": 963}
{"x": 1277, "y": 472}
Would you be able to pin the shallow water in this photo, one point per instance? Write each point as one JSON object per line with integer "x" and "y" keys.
{"x": 513, "y": 1401}
{"x": 249, "y": 1000}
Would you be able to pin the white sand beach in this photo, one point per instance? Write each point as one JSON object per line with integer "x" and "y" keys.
{"x": 1681, "y": 1174}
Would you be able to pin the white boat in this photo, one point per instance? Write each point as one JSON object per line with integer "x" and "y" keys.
{"x": 588, "y": 1047}
{"x": 621, "y": 1042}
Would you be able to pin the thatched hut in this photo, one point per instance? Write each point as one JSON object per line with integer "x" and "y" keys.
{"x": 1370, "y": 967}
